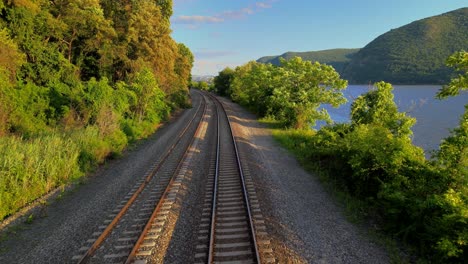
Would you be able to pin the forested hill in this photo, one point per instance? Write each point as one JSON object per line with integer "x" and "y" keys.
{"x": 337, "y": 58}
{"x": 412, "y": 54}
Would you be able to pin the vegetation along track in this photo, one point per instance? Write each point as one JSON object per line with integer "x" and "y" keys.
{"x": 120, "y": 234}
{"x": 232, "y": 226}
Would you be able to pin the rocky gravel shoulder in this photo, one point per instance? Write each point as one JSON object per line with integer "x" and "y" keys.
{"x": 305, "y": 223}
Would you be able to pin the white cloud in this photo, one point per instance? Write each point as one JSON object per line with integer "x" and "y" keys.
{"x": 223, "y": 16}
{"x": 263, "y": 5}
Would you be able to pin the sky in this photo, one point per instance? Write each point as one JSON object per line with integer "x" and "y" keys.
{"x": 229, "y": 33}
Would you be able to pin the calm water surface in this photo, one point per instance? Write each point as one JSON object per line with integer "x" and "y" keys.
{"x": 434, "y": 117}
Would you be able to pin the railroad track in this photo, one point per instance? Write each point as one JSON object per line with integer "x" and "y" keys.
{"x": 232, "y": 229}
{"x": 138, "y": 220}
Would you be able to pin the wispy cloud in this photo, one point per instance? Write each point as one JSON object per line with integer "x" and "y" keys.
{"x": 194, "y": 21}
{"x": 263, "y": 5}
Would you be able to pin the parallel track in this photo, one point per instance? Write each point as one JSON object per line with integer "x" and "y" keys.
{"x": 152, "y": 189}
{"x": 142, "y": 250}
{"x": 229, "y": 220}
{"x": 232, "y": 232}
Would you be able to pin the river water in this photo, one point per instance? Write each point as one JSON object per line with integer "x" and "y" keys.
{"x": 434, "y": 117}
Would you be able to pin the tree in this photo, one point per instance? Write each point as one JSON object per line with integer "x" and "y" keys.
{"x": 222, "y": 82}
{"x": 253, "y": 85}
{"x": 459, "y": 61}
{"x": 301, "y": 87}
{"x": 11, "y": 57}
{"x": 452, "y": 159}
{"x": 453, "y": 153}
{"x": 183, "y": 65}
{"x": 86, "y": 34}
{"x": 378, "y": 107}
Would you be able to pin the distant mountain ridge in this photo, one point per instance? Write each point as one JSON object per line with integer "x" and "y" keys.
{"x": 412, "y": 54}
{"x": 338, "y": 58}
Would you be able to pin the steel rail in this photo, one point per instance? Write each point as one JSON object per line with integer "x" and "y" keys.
{"x": 215, "y": 192}
{"x": 157, "y": 209}
{"x": 244, "y": 190}
{"x": 96, "y": 245}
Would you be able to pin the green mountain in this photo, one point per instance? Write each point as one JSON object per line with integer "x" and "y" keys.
{"x": 337, "y": 58}
{"x": 412, "y": 54}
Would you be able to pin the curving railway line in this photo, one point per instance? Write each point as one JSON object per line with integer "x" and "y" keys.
{"x": 231, "y": 228}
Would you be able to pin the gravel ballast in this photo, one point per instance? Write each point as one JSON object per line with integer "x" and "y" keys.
{"x": 305, "y": 224}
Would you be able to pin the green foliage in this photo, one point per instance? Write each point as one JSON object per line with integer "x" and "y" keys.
{"x": 458, "y": 61}
{"x": 292, "y": 93}
{"x": 423, "y": 203}
{"x": 302, "y": 88}
{"x": 412, "y": 54}
{"x": 452, "y": 160}
{"x": 88, "y": 76}
{"x": 253, "y": 86}
{"x": 150, "y": 105}
{"x": 30, "y": 168}
{"x": 201, "y": 85}
{"x": 222, "y": 82}
{"x": 10, "y": 56}
{"x": 30, "y": 111}
{"x": 378, "y": 107}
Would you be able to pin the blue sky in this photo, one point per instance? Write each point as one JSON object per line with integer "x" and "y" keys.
{"x": 224, "y": 33}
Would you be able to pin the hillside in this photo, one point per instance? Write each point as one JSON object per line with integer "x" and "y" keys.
{"x": 337, "y": 58}
{"x": 412, "y": 54}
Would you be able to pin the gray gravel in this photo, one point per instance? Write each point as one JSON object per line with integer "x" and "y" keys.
{"x": 181, "y": 248}
{"x": 305, "y": 223}
{"x": 67, "y": 222}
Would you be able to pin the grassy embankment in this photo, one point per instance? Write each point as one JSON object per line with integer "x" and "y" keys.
{"x": 32, "y": 167}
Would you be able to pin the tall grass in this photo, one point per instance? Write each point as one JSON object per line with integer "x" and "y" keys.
{"x": 31, "y": 168}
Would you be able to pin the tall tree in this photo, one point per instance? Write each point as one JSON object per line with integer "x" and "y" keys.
{"x": 87, "y": 34}
{"x": 302, "y": 88}
{"x": 222, "y": 82}
{"x": 183, "y": 65}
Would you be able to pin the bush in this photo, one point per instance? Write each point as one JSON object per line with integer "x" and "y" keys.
{"x": 372, "y": 158}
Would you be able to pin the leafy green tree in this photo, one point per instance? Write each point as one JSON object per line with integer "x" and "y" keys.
{"x": 150, "y": 103}
{"x": 458, "y": 61}
{"x": 183, "y": 65}
{"x": 253, "y": 85}
{"x": 453, "y": 153}
{"x": 222, "y": 82}
{"x": 85, "y": 36}
{"x": 166, "y": 8}
{"x": 452, "y": 159}
{"x": 302, "y": 87}
{"x": 34, "y": 29}
{"x": 378, "y": 107}
{"x": 11, "y": 58}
